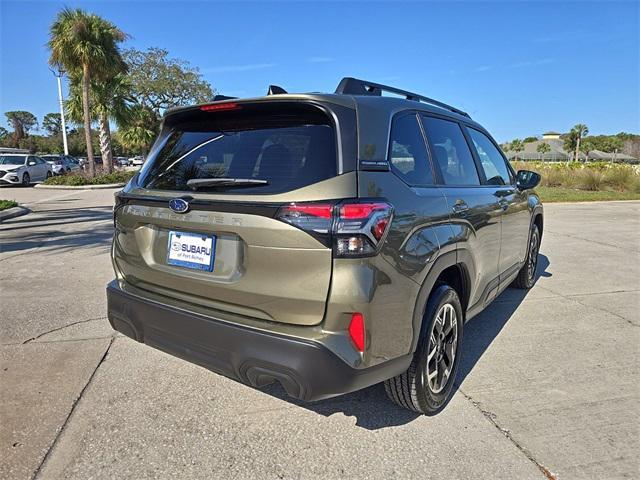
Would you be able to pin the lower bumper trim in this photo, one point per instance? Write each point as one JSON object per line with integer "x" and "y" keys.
{"x": 306, "y": 369}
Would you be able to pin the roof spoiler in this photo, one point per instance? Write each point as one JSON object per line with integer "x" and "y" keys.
{"x": 218, "y": 98}
{"x": 354, "y": 86}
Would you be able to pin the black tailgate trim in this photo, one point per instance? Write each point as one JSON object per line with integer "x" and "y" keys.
{"x": 251, "y": 208}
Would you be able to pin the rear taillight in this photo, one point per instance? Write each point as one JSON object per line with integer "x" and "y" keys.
{"x": 354, "y": 228}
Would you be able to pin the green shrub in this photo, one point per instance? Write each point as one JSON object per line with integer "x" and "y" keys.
{"x": 6, "y": 204}
{"x": 590, "y": 179}
{"x": 620, "y": 177}
{"x": 83, "y": 179}
{"x": 592, "y": 176}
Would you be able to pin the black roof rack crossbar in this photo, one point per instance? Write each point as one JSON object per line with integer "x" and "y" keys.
{"x": 354, "y": 86}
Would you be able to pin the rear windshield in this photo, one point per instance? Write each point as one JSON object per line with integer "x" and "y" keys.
{"x": 286, "y": 151}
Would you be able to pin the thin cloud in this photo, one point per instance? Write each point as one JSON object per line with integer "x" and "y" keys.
{"x": 238, "y": 68}
{"x": 483, "y": 68}
{"x": 562, "y": 37}
{"x": 532, "y": 63}
{"x": 320, "y": 59}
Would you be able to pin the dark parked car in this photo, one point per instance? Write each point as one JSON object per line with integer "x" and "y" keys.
{"x": 327, "y": 242}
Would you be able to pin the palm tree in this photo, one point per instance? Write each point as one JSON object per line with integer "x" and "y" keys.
{"x": 543, "y": 148}
{"x": 87, "y": 45}
{"x": 110, "y": 100}
{"x": 580, "y": 131}
{"x": 140, "y": 131}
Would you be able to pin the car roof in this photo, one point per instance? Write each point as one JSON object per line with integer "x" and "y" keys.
{"x": 374, "y": 111}
{"x": 351, "y": 92}
{"x": 346, "y": 100}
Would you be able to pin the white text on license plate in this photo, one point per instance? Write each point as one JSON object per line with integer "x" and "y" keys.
{"x": 191, "y": 250}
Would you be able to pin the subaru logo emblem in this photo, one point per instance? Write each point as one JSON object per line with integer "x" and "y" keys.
{"x": 178, "y": 205}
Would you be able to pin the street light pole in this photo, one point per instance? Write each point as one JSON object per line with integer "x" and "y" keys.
{"x": 58, "y": 74}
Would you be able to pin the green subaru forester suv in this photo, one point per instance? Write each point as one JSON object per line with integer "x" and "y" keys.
{"x": 327, "y": 242}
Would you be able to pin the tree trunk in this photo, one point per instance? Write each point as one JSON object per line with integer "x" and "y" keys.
{"x": 577, "y": 149}
{"x": 87, "y": 120}
{"x": 105, "y": 143}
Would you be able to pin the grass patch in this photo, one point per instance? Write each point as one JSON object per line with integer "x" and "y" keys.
{"x": 584, "y": 182}
{"x": 6, "y": 204}
{"x": 80, "y": 179}
{"x": 560, "y": 194}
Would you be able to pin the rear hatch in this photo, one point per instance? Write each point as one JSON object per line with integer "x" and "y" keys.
{"x": 199, "y": 223}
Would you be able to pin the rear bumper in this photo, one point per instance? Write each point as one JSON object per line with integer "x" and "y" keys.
{"x": 306, "y": 369}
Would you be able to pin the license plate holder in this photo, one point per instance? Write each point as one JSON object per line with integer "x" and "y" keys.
{"x": 191, "y": 250}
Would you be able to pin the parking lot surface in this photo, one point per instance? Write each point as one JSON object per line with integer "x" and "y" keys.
{"x": 548, "y": 385}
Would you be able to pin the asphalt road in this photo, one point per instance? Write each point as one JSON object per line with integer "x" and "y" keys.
{"x": 549, "y": 383}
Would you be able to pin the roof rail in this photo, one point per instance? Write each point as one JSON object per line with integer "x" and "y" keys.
{"x": 354, "y": 86}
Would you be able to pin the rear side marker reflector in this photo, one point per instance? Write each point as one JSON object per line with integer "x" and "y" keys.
{"x": 357, "y": 331}
{"x": 220, "y": 106}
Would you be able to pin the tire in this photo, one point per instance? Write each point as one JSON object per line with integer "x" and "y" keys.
{"x": 48, "y": 175}
{"x": 414, "y": 389}
{"x": 527, "y": 274}
{"x": 26, "y": 180}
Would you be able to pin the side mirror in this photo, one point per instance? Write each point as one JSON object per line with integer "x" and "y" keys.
{"x": 526, "y": 179}
{"x": 32, "y": 163}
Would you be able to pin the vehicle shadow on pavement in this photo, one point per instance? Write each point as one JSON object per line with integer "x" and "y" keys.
{"x": 48, "y": 229}
{"x": 371, "y": 407}
{"x": 481, "y": 330}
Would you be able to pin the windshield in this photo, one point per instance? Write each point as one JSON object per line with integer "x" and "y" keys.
{"x": 12, "y": 159}
{"x": 284, "y": 154}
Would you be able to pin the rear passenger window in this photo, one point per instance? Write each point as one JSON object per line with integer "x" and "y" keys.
{"x": 493, "y": 163}
{"x": 408, "y": 152}
{"x": 451, "y": 152}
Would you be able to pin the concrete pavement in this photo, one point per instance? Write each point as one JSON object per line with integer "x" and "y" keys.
{"x": 548, "y": 384}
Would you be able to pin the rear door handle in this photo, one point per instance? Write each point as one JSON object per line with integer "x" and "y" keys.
{"x": 460, "y": 206}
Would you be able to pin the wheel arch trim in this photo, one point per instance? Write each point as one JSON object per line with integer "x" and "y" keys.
{"x": 444, "y": 261}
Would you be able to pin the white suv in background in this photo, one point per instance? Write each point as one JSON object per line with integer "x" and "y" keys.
{"x": 23, "y": 169}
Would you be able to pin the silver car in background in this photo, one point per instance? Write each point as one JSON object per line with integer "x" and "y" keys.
{"x": 61, "y": 164}
{"x": 23, "y": 169}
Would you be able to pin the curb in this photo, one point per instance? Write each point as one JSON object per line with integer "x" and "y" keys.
{"x": 13, "y": 213}
{"x": 80, "y": 187}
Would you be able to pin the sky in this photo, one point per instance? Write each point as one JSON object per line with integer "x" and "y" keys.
{"x": 518, "y": 68}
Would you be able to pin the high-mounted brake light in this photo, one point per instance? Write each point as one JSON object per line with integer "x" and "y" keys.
{"x": 354, "y": 228}
{"x": 357, "y": 331}
{"x": 214, "y": 107}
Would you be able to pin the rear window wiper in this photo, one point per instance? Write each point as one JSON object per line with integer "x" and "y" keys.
{"x": 196, "y": 183}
